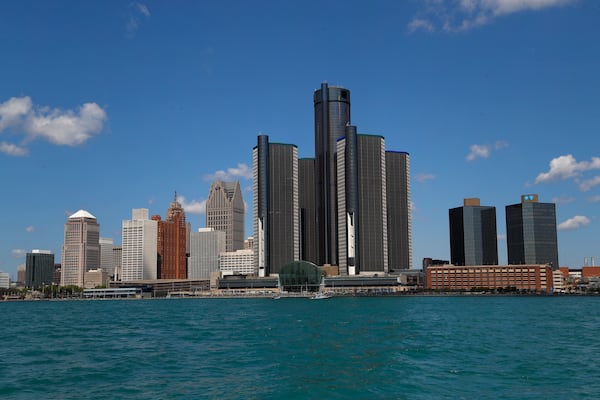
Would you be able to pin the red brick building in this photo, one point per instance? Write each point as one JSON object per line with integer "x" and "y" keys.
{"x": 536, "y": 278}
{"x": 172, "y": 244}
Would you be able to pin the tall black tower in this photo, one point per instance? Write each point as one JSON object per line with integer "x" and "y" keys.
{"x": 332, "y": 114}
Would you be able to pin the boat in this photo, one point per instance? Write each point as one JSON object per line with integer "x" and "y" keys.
{"x": 321, "y": 296}
{"x": 276, "y": 297}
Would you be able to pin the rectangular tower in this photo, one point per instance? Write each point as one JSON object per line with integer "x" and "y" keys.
{"x": 205, "y": 247}
{"x": 473, "y": 235}
{"x": 140, "y": 247}
{"x": 225, "y": 212}
{"x": 531, "y": 235}
{"x": 399, "y": 226}
{"x": 276, "y": 210}
{"x": 81, "y": 248}
{"x": 307, "y": 205}
{"x": 39, "y": 269}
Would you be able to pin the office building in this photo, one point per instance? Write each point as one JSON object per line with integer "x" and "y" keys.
{"x": 399, "y": 222}
{"x": 332, "y": 114}
{"x": 225, "y": 212}
{"x": 473, "y": 235}
{"x": 95, "y": 278}
{"x": 531, "y": 232}
{"x": 22, "y": 274}
{"x": 39, "y": 269}
{"x": 276, "y": 208}
{"x": 528, "y": 278}
{"x": 117, "y": 260}
{"x": 205, "y": 247}
{"x": 81, "y": 248}
{"x": 139, "y": 248}
{"x": 172, "y": 243}
{"x": 4, "y": 280}
{"x": 240, "y": 262}
{"x": 308, "y": 210}
{"x": 106, "y": 255}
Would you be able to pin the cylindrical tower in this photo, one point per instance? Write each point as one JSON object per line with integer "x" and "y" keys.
{"x": 332, "y": 114}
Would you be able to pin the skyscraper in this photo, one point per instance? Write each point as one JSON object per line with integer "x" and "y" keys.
{"x": 332, "y": 114}
{"x": 39, "y": 267}
{"x": 172, "y": 243}
{"x": 531, "y": 232}
{"x": 81, "y": 248}
{"x": 307, "y": 205}
{"x": 276, "y": 205}
{"x": 399, "y": 224}
{"x": 473, "y": 237}
{"x": 106, "y": 255}
{"x": 205, "y": 247}
{"x": 139, "y": 249}
{"x": 225, "y": 212}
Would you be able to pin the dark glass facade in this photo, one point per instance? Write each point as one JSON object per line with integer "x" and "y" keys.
{"x": 473, "y": 236}
{"x": 531, "y": 233}
{"x": 39, "y": 270}
{"x": 332, "y": 114}
{"x": 277, "y": 225}
{"x": 307, "y": 204}
{"x": 372, "y": 206}
{"x": 397, "y": 172}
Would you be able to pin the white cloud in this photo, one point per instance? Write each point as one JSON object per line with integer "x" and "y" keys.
{"x": 193, "y": 207}
{"x": 574, "y": 223}
{"x": 13, "y": 149}
{"x": 242, "y": 171}
{"x": 594, "y": 199}
{"x": 422, "y": 177}
{"x": 478, "y": 151}
{"x": 565, "y": 167}
{"x": 30, "y": 228}
{"x": 420, "y": 24}
{"x": 18, "y": 253}
{"x": 462, "y": 15}
{"x": 143, "y": 9}
{"x": 140, "y": 11}
{"x": 61, "y": 127}
{"x": 563, "y": 199}
{"x": 587, "y": 184}
{"x": 13, "y": 110}
{"x": 66, "y": 127}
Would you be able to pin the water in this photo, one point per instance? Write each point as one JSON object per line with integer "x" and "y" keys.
{"x": 401, "y": 347}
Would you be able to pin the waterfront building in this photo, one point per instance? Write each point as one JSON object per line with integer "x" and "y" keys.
{"x": 39, "y": 267}
{"x": 81, "y": 248}
{"x": 249, "y": 243}
{"x": 4, "y": 280}
{"x": 332, "y": 115}
{"x": 531, "y": 232}
{"x": 205, "y": 247}
{"x": 225, "y": 212}
{"x": 139, "y": 248}
{"x": 117, "y": 260}
{"x": 473, "y": 237}
{"x": 361, "y": 204}
{"x": 240, "y": 262}
{"x": 106, "y": 255}
{"x": 308, "y": 210}
{"x": 22, "y": 274}
{"x": 95, "y": 278}
{"x": 57, "y": 274}
{"x": 172, "y": 243}
{"x": 530, "y": 278}
{"x": 399, "y": 221}
{"x": 276, "y": 208}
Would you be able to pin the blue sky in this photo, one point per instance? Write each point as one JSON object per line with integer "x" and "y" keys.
{"x": 113, "y": 105}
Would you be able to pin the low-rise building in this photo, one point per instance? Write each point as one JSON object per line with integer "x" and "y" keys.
{"x": 240, "y": 262}
{"x": 531, "y": 278}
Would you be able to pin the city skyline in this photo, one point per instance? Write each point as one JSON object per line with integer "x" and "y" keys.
{"x": 493, "y": 101}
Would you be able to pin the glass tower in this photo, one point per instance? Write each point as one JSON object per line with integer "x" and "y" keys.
{"x": 332, "y": 114}
{"x": 531, "y": 232}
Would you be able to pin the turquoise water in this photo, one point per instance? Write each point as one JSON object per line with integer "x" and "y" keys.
{"x": 386, "y": 348}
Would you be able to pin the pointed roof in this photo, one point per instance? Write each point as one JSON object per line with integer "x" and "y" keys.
{"x": 82, "y": 214}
